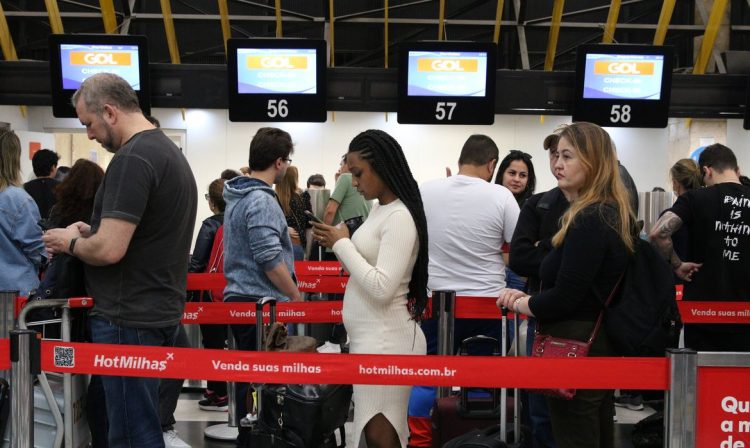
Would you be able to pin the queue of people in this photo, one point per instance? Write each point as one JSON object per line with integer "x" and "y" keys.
{"x": 566, "y": 250}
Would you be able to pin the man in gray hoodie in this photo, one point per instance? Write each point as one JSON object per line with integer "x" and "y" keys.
{"x": 258, "y": 255}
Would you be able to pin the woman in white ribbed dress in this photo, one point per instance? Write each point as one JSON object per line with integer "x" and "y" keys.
{"x": 387, "y": 290}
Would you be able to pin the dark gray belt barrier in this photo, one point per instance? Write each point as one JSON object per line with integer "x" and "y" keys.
{"x": 443, "y": 309}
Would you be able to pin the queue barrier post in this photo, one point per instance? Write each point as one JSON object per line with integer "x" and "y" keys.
{"x": 443, "y": 308}
{"x": 681, "y": 399}
{"x": 25, "y": 359}
{"x": 228, "y": 430}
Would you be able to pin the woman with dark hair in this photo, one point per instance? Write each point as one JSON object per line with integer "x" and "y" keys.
{"x": 214, "y": 336}
{"x": 75, "y": 194}
{"x": 516, "y": 173}
{"x": 387, "y": 290}
{"x": 20, "y": 235}
{"x": 590, "y": 253}
{"x": 294, "y": 210}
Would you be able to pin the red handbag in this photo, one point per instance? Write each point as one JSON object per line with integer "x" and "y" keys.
{"x": 546, "y": 346}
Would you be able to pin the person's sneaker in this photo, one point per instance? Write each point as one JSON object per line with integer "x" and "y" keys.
{"x": 632, "y": 402}
{"x": 207, "y": 393}
{"x": 215, "y": 403}
{"x": 173, "y": 440}
{"x": 329, "y": 347}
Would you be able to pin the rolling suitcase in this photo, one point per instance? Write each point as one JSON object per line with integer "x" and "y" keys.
{"x": 471, "y": 408}
{"x": 497, "y": 435}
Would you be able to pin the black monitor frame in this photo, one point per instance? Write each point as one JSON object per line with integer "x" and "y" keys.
{"x": 623, "y": 112}
{"x": 446, "y": 109}
{"x": 61, "y": 106}
{"x": 277, "y": 107}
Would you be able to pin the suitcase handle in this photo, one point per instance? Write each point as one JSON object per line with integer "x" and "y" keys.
{"x": 465, "y": 405}
{"x": 259, "y": 305}
{"x": 480, "y": 339}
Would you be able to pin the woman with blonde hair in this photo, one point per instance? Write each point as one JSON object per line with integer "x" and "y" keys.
{"x": 294, "y": 209}
{"x": 20, "y": 235}
{"x": 590, "y": 254}
{"x": 685, "y": 176}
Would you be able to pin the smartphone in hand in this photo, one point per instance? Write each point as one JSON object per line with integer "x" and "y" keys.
{"x": 313, "y": 217}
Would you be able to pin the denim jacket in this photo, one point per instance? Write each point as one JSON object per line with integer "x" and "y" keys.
{"x": 21, "y": 246}
{"x": 256, "y": 239}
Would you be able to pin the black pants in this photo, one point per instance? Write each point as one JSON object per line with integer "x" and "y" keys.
{"x": 169, "y": 388}
{"x": 586, "y": 421}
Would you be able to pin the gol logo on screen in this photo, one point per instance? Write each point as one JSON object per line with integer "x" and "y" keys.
{"x": 447, "y": 65}
{"x": 277, "y": 62}
{"x": 623, "y": 68}
{"x": 99, "y": 58}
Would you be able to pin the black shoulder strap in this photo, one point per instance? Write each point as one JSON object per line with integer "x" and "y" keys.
{"x": 547, "y": 199}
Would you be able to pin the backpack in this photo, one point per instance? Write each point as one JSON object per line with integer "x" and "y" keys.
{"x": 216, "y": 263}
{"x": 645, "y": 320}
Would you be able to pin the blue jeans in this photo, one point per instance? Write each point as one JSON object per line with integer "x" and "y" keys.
{"x": 132, "y": 403}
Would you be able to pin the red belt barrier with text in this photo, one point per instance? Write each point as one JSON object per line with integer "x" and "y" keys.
{"x": 466, "y": 308}
{"x": 318, "y": 368}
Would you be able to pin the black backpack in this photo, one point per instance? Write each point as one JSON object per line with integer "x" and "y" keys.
{"x": 644, "y": 320}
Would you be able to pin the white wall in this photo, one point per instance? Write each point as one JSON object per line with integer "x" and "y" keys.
{"x": 12, "y": 115}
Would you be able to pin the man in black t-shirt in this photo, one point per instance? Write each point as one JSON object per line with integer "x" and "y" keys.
{"x": 42, "y": 189}
{"x": 718, "y": 247}
{"x": 135, "y": 248}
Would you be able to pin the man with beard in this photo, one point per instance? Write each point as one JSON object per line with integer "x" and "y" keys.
{"x": 258, "y": 254}
{"x": 135, "y": 248}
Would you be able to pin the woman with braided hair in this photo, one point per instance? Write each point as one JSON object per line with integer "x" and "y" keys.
{"x": 387, "y": 290}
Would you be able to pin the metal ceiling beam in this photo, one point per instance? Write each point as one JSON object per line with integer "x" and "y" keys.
{"x": 108, "y": 16}
{"x": 376, "y": 20}
{"x": 499, "y": 20}
{"x": 277, "y": 13}
{"x": 706, "y": 19}
{"x": 523, "y": 48}
{"x": 385, "y": 35}
{"x": 273, "y": 8}
{"x": 380, "y": 10}
{"x": 667, "y": 9}
{"x": 53, "y": 12}
{"x": 612, "y": 16}
{"x": 554, "y": 33}
{"x": 226, "y": 30}
{"x": 441, "y": 21}
{"x": 578, "y": 12}
{"x": 709, "y": 38}
{"x": 174, "y": 50}
{"x": 6, "y": 40}
{"x": 127, "y": 18}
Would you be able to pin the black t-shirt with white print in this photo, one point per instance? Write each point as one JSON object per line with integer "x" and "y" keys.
{"x": 718, "y": 222}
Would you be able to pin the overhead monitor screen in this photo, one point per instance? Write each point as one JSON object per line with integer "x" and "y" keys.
{"x": 447, "y": 73}
{"x": 79, "y": 61}
{"x": 277, "y": 70}
{"x": 623, "y": 76}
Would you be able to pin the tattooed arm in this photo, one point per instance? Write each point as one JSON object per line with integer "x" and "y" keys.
{"x": 661, "y": 238}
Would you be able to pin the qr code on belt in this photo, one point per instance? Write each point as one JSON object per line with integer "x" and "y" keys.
{"x": 65, "y": 357}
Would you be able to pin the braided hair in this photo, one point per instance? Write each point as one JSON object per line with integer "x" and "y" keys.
{"x": 387, "y": 159}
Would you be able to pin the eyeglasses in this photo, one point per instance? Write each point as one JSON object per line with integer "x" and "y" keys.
{"x": 288, "y": 160}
